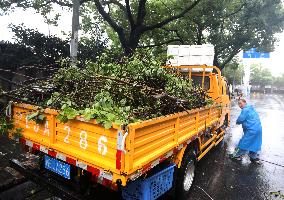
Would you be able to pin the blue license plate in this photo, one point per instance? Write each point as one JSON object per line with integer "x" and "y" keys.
{"x": 58, "y": 167}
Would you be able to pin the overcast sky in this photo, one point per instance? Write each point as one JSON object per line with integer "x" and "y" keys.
{"x": 31, "y": 19}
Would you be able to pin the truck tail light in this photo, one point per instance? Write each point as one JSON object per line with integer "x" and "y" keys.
{"x": 118, "y": 159}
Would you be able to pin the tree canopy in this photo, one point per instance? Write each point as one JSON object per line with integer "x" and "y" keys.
{"x": 230, "y": 25}
{"x": 35, "y": 55}
{"x": 234, "y": 73}
{"x": 127, "y": 19}
{"x": 34, "y": 48}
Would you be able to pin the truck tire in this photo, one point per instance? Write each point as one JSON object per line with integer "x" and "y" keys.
{"x": 185, "y": 175}
{"x": 226, "y": 121}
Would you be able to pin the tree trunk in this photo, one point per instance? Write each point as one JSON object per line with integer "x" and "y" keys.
{"x": 138, "y": 28}
{"x": 75, "y": 32}
{"x": 199, "y": 36}
{"x": 132, "y": 44}
{"x": 234, "y": 79}
{"x": 215, "y": 61}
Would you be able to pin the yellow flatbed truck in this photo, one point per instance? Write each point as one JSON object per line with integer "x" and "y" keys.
{"x": 119, "y": 157}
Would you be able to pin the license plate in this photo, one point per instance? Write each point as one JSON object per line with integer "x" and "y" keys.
{"x": 58, "y": 167}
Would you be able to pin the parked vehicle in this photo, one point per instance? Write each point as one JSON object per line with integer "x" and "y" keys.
{"x": 143, "y": 159}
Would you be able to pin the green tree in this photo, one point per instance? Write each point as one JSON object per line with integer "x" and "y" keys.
{"x": 234, "y": 73}
{"x": 39, "y": 49}
{"x": 279, "y": 81}
{"x": 129, "y": 20}
{"x": 12, "y": 56}
{"x": 38, "y": 54}
{"x": 260, "y": 76}
{"x": 249, "y": 24}
{"x": 230, "y": 25}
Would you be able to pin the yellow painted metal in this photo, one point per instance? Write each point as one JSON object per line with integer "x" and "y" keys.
{"x": 146, "y": 140}
{"x": 220, "y": 134}
{"x": 86, "y": 141}
{"x": 206, "y": 151}
{"x": 203, "y": 77}
{"x": 189, "y": 68}
{"x": 161, "y": 135}
{"x": 208, "y": 142}
{"x": 179, "y": 156}
{"x": 219, "y": 140}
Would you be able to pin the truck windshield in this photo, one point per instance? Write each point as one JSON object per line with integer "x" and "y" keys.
{"x": 197, "y": 81}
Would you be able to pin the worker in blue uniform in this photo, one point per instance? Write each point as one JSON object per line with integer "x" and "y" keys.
{"x": 251, "y": 141}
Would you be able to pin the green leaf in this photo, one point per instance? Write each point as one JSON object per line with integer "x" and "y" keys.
{"x": 62, "y": 118}
{"x": 41, "y": 117}
{"x": 108, "y": 124}
{"x": 118, "y": 122}
{"x": 88, "y": 114}
{"x": 63, "y": 106}
{"x": 127, "y": 108}
{"x": 110, "y": 117}
{"x": 33, "y": 115}
{"x": 49, "y": 102}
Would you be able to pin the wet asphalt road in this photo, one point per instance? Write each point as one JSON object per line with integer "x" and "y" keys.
{"x": 222, "y": 178}
{"x": 216, "y": 177}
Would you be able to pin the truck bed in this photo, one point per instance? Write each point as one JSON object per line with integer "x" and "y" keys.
{"x": 118, "y": 153}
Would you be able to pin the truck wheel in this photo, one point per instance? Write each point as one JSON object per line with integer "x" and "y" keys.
{"x": 185, "y": 175}
{"x": 226, "y": 121}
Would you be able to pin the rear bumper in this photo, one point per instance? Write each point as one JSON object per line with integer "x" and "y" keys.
{"x": 99, "y": 176}
{"x": 44, "y": 180}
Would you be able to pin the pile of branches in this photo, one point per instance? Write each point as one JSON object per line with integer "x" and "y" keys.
{"x": 130, "y": 90}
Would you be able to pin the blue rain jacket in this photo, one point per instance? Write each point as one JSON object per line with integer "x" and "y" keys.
{"x": 252, "y": 138}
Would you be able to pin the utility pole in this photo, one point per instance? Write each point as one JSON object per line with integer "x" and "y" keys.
{"x": 75, "y": 30}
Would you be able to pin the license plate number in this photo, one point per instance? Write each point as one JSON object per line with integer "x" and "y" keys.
{"x": 57, "y": 167}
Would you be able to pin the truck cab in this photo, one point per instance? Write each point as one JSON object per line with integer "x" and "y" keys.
{"x": 219, "y": 92}
{"x": 210, "y": 79}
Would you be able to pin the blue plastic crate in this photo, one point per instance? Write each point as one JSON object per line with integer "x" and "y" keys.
{"x": 150, "y": 188}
